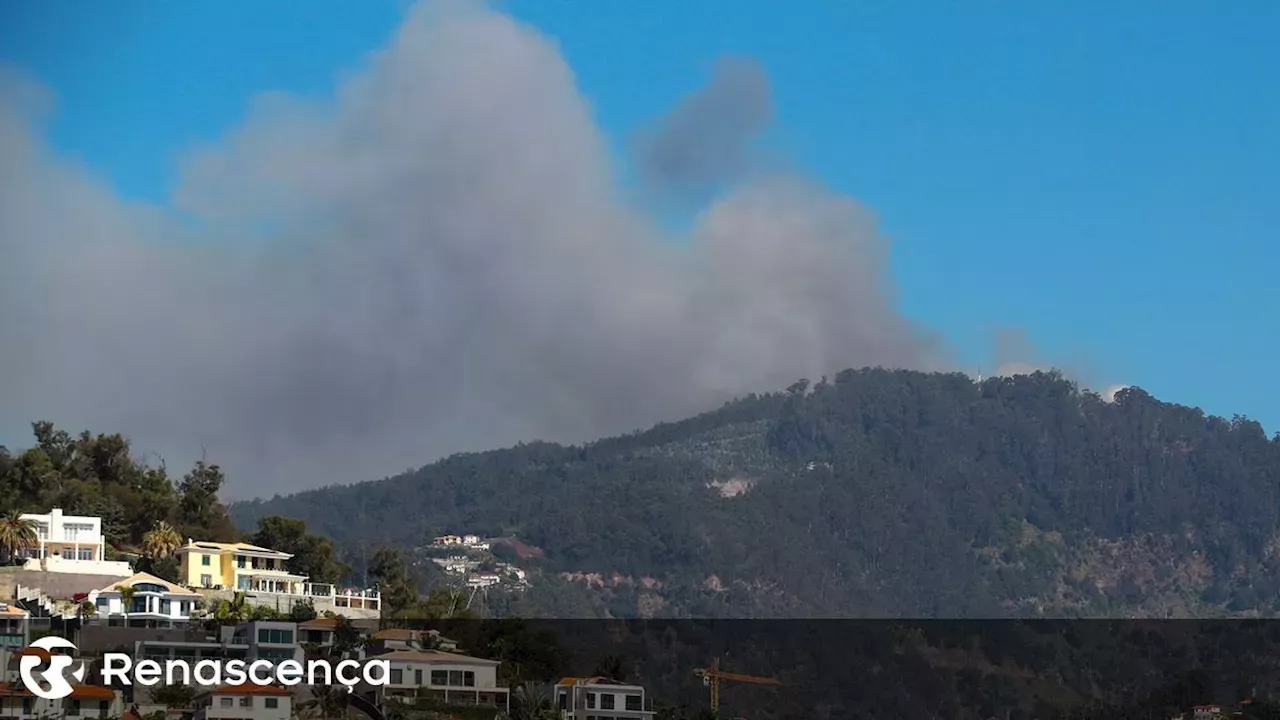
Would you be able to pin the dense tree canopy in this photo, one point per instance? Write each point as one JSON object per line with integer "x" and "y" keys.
{"x": 99, "y": 475}
{"x": 143, "y": 510}
{"x": 876, "y": 492}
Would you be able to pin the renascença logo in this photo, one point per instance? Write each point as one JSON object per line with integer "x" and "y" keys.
{"x": 55, "y": 677}
{"x": 120, "y": 667}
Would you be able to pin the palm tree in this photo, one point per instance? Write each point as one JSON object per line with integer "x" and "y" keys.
{"x": 161, "y": 541}
{"x": 17, "y": 533}
{"x": 232, "y": 611}
{"x": 126, "y": 600}
{"x": 327, "y": 702}
{"x": 529, "y": 702}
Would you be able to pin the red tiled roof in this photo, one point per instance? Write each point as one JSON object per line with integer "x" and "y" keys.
{"x": 92, "y": 692}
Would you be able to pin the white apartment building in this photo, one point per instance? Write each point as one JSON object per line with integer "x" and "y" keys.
{"x": 246, "y": 702}
{"x": 600, "y": 698}
{"x": 71, "y": 544}
{"x": 452, "y": 678}
{"x": 152, "y": 602}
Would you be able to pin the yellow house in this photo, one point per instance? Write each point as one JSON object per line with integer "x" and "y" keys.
{"x": 238, "y": 566}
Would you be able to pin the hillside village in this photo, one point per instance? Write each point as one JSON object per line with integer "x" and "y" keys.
{"x": 241, "y": 601}
{"x": 468, "y": 559}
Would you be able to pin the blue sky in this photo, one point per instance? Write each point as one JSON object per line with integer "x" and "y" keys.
{"x": 1102, "y": 175}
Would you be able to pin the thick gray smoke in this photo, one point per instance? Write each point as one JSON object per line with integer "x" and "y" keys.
{"x": 703, "y": 142}
{"x": 434, "y": 261}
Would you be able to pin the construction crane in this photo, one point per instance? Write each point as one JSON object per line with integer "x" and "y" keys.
{"x": 712, "y": 676}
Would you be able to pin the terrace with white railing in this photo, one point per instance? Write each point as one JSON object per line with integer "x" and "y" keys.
{"x": 351, "y": 602}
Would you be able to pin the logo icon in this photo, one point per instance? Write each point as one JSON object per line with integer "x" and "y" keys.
{"x": 55, "y": 675}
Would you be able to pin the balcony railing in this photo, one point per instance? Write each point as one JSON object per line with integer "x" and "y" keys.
{"x": 364, "y": 599}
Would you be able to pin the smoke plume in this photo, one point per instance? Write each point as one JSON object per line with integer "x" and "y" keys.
{"x": 703, "y": 142}
{"x": 433, "y": 260}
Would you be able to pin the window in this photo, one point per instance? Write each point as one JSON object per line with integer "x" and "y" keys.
{"x": 206, "y": 581}
{"x": 204, "y": 560}
{"x": 42, "y": 530}
{"x": 243, "y": 582}
{"x": 397, "y": 677}
{"x": 239, "y": 561}
{"x": 77, "y": 531}
{"x": 633, "y": 702}
{"x": 563, "y": 700}
{"x": 150, "y": 587}
{"x": 184, "y": 608}
{"x": 26, "y": 706}
{"x": 86, "y": 553}
{"x": 439, "y": 677}
{"x": 277, "y": 637}
{"x": 74, "y": 709}
{"x": 165, "y": 607}
{"x": 417, "y": 678}
{"x": 226, "y": 701}
{"x": 606, "y": 701}
{"x": 103, "y": 706}
{"x": 272, "y": 703}
{"x": 455, "y": 678}
{"x": 102, "y": 603}
{"x": 591, "y": 700}
{"x": 246, "y": 701}
{"x": 468, "y": 679}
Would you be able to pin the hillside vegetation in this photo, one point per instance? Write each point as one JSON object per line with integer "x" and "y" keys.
{"x": 879, "y": 493}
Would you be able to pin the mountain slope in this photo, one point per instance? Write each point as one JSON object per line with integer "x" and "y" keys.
{"x": 879, "y": 493}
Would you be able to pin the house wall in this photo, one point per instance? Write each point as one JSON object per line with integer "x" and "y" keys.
{"x": 486, "y": 676}
{"x": 197, "y": 563}
{"x": 58, "y": 564}
{"x": 178, "y": 607}
{"x": 247, "y": 707}
{"x": 61, "y": 586}
{"x": 578, "y": 707}
{"x": 285, "y": 603}
{"x": 58, "y": 528}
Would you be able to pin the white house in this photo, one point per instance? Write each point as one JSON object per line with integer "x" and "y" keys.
{"x": 154, "y": 602}
{"x": 246, "y": 702}
{"x": 450, "y": 677}
{"x": 70, "y": 544}
{"x": 578, "y": 698}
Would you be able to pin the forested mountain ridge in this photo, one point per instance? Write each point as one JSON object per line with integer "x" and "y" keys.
{"x": 879, "y": 493}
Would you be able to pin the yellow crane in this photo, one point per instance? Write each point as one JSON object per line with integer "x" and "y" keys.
{"x": 712, "y": 676}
